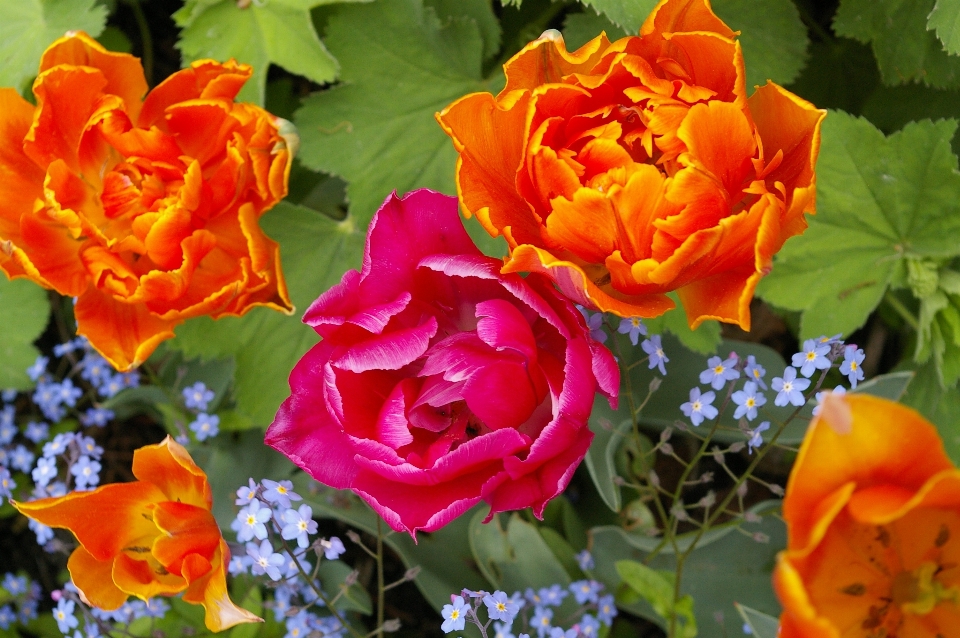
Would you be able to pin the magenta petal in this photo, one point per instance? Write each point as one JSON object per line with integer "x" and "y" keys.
{"x": 501, "y": 395}
{"x": 376, "y": 318}
{"x": 391, "y": 351}
{"x": 456, "y": 358}
{"x": 393, "y": 428}
{"x": 432, "y": 508}
{"x": 606, "y": 371}
{"x": 501, "y": 326}
{"x": 333, "y": 307}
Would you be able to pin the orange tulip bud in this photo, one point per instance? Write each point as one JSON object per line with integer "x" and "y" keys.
{"x": 153, "y": 537}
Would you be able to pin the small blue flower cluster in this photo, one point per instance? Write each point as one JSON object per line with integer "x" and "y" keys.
{"x": 23, "y": 596}
{"x": 268, "y": 515}
{"x": 534, "y": 610}
{"x": 99, "y": 622}
{"x": 197, "y": 399}
{"x": 634, "y": 328}
{"x": 817, "y": 354}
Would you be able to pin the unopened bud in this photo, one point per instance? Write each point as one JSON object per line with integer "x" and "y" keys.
{"x": 760, "y": 537}
{"x": 412, "y": 573}
{"x": 653, "y": 479}
{"x": 752, "y": 517}
{"x": 706, "y": 477}
{"x": 736, "y": 447}
{"x": 391, "y": 625}
{"x": 742, "y": 490}
{"x": 353, "y": 536}
{"x": 618, "y": 480}
{"x": 665, "y": 435}
{"x": 718, "y": 617}
{"x": 679, "y": 512}
{"x": 351, "y": 578}
{"x": 708, "y": 500}
{"x": 717, "y": 455}
{"x": 666, "y": 448}
{"x": 655, "y": 384}
{"x": 776, "y": 489}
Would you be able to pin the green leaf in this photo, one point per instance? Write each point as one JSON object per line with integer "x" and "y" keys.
{"x": 897, "y": 32}
{"x": 24, "y": 311}
{"x": 376, "y": 129}
{"x": 580, "y": 28}
{"x": 27, "y": 27}
{"x": 940, "y": 406}
{"x": 315, "y": 252}
{"x": 278, "y": 32}
{"x": 773, "y": 37}
{"x": 840, "y": 74}
{"x": 609, "y": 429}
{"x": 880, "y": 201}
{"x": 726, "y": 567}
{"x": 514, "y": 558}
{"x": 945, "y": 18}
{"x": 656, "y": 587}
{"x": 628, "y": 14}
{"x": 480, "y": 11}
{"x": 333, "y": 575}
{"x": 761, "y": 625}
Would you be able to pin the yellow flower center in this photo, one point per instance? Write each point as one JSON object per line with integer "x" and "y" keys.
{"x": 718, "y": 370}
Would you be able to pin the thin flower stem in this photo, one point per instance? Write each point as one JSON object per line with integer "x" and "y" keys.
{"x": 146, "y": 39}
{"x": 381, "y": 590}
{"x": 901, "y": 310}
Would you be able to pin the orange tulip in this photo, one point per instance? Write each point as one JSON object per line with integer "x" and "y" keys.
{"x": 628, "y": 170}
{"x": 145, "y": 210}
{"x": 153, "y": 537}
{"x": 873, "y": 519}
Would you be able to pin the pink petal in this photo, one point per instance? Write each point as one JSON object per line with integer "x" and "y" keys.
{"x": 502, "y": 326}
{"x": 392, "y": 425}
{"x": 501, "y": 396}
{"x": 333, "y": 307}
{"x": 391, "y": 351}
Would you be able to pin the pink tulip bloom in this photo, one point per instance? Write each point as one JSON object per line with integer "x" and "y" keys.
{"x": 440, "y": 382}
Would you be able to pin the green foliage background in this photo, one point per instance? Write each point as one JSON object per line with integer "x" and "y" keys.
{"x": 362, "y": 81}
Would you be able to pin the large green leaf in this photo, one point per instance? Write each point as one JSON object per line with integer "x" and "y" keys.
{"x": 479, "y": 11}
{"x": 880, "y": 201}
{"x": 761, "y": 625}
{"x": 262, "y": 33}
{"x": 945, "y": 18}
{"x": 27, "y": 27}
{"x": 400, "y": 64}
{"x": 627, "y": 14}
{"x": 773, "y": 37}
{"x": 897, "y": 31}
{"x": 514, "y": 557}
{"x": 24, "y": 310}
{"x": 726, "y": 567}
{"x": 315, "y": 252}
{"x": 580, "y": 28}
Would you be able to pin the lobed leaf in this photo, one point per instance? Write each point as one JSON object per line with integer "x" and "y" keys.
{"x": 24, "y": 311}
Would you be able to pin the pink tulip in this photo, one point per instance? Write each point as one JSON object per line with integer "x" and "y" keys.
{"x": 440, "y": 382}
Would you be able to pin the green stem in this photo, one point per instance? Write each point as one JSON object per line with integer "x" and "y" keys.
{"x": 381, "y": 590}
{"x": 146, "y": 39}
{"x": 901, "y": 310}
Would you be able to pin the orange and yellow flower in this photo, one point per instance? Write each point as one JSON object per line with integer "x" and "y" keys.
{"x": 628, "y": 170}
{"x": 873, "y": 519}
{"x": 152, "y": 537}
{"x": 144, "y": 209}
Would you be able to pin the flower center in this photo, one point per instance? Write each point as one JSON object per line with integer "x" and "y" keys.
{"x": 918, "y": 592}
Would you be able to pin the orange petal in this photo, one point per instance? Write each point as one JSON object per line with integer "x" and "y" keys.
{"x": 168, "y": 466}
{"x": 887, "y": 444}
{"x": 186, "y": 529}
{"x": 546, "y": 60}
{"x": 145, "y": 578}
{"x": 205, "y": 79}
{"x": 720, "y": 142}
{"x": 488, "y": 135}
{"x": 641, "y": 202}
{"x": 574, "y": 283}
{"x": 22, "y": 179}
{"x": 586, "y": 226}
{"x": 210, "y": 591}
{"x": 94, "y": 579}
{"x": 66, "y": 98}
{"x": 123, "y": 504}
{"x": 799, "y": 618}
{"x": 122, "y": 71}
{"x": 670, "y": 16}
{"x": 125, "y": 334}
{"x": 711, "y": 61}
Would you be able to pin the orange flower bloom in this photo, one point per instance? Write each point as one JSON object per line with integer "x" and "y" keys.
{"x": 627, "y": 170}
{"x": 153, "y": 537}
{"x": 144, "y": 209}
{"x": 873, "y": 519}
